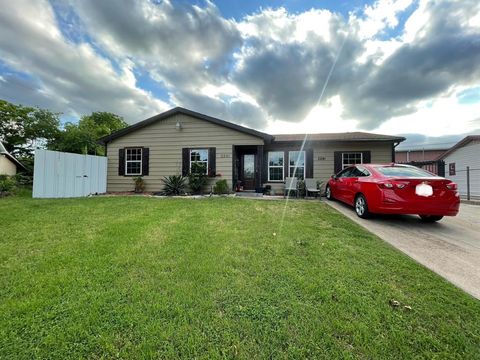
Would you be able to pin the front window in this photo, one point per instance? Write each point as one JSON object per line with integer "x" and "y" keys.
{"x": 351, "y": 158}
{"x": 296, "y": 164}
{"x": 200, "y": 157}
{"x": 275, "y": 166}
{"x": 133, "y": 161}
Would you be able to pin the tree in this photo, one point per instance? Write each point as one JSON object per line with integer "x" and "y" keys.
{"x": 23, "y": 128}
{"x": 82, "y": 137}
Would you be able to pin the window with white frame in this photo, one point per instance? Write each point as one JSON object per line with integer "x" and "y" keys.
{"x": 199, "y": 156}
{"x": 351, "y": 158}
{"x": 275, "y": 166}
{"x": 133, "y": 161}
{"x": 296, "y": 164}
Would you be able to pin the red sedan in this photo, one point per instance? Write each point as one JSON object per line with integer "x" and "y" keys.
{"x": 394, "y": 189}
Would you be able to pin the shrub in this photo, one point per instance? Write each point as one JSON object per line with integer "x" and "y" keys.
{"x": 301, "y": 188}
{"x": 221, "y": 187}
{"x": 139, "y": 184}
{"x": 23, "y": 179}
{"x": 174, "y": 185}
{"x": 197, "y": 178}
{"x": 7, "y": 185}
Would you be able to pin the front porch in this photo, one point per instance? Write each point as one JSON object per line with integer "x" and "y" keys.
{"x": 247, "y": 169}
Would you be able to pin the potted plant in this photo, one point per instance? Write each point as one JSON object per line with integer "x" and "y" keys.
{"x": 139, "y": 184}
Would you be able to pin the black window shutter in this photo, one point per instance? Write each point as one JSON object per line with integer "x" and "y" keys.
{"x": 309, "y": 163}
{"x": 258, "y": 167}
{"x": 145, "y": 161}
{"x": 337, "y": 162}
{"x": 121, "y": 162}
{"x": 366, "y": 157}
{"x": 286, "y": 165}
{"x": 185, "y": 161}
{"x": 265, "y": 167}
{"x": 212, "y": 162}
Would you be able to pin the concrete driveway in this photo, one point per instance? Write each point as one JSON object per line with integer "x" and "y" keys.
{"x": 450, "y": 247}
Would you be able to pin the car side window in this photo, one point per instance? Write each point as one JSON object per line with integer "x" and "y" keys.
{"x": 361, "y": 172}
{"x": 355, "y": 173}
{"x": 345, "y": 173}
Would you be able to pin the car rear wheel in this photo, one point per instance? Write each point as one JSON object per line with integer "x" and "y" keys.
{"x": 361, "y": 207}
{"x": 430, "y": 218}
{"x": 328, "y": 193}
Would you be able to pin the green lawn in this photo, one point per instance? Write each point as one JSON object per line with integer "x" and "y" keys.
{"x": 132, "y": 277}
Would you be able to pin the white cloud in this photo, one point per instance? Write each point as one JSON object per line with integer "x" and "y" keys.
{"x": 72, "y": 78}
{"x": 321, "y": 119}
{"x": 438, "y": 117}
{"x": 379, "y": 16}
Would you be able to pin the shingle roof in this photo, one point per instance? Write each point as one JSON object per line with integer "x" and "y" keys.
{"x": 460, "y": 144}
{"x": 347, "y": 136}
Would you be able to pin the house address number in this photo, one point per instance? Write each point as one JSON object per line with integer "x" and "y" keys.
{"x": 225, "y": 156}
{"x": 321, "y": 158}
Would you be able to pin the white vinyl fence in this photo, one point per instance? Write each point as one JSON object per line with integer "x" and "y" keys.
{"x": 62, "y": 175}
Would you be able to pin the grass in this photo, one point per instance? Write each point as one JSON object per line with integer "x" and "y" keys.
{"x": 133, "y": 277}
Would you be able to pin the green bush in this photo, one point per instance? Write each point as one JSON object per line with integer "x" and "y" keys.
{"x": 301, "y": 188}
{"x": 139, "y": 184}
{"x": 23, "y": 179}
{"x": 221, "y": 187}
{"x": 7, "y": 185}
{"x": 174, "y": 185}
{"x": 197, "y": 178}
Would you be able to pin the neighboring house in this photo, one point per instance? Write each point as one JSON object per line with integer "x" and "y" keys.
{"x": 168, "y": 143}
{"x": 466, "y": 153}
{"x": 8, "y": 164}
{"x": 418, "y": 155}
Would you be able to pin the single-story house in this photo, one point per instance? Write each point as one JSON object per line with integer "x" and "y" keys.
{"x": 168, "y": 143}
{"x": 466, "y": 153}
{"x": 8, "y": 164}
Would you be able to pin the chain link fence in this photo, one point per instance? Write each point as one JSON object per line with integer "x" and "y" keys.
{"x": 468, "y": 181}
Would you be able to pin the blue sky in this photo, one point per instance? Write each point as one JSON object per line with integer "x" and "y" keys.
{"x": 404, "y": 67}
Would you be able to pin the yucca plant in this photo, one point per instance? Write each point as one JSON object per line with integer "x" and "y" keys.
{"x": 174, "y": 185}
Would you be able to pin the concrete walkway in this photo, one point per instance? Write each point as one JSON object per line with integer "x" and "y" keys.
{"x": 450, "y": 247}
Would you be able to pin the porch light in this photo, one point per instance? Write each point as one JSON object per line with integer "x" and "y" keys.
{"x": 178, "y": 126}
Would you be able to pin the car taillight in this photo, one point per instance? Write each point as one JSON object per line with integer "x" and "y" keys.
{"x": 391, "y": 185}
{"x": 452, "y": 186}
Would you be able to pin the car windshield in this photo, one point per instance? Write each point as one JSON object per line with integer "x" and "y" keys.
{"x": 403, "y": 171}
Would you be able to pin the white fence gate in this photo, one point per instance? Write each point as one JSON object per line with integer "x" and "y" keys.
{"x": 62, "y": 175}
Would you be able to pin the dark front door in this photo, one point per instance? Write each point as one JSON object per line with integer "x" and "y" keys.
{"x": 248, "y": 171}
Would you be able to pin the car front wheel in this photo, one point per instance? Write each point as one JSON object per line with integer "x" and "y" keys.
{"x": 361, "y": 207}
{"x": 430, "y": 218}
{"x": 328, "y": 193}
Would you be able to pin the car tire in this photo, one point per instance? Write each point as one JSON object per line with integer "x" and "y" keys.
{"x": 328, "y": 193}
{"x": 430, "y": 218}
{"x": 361, "y": 207}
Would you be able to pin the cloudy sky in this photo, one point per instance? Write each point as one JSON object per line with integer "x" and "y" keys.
{"x": 394, "y": 67}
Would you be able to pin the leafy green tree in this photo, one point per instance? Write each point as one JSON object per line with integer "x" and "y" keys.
{"x": 23, "y": 128}
{"x": 82, "y": 137}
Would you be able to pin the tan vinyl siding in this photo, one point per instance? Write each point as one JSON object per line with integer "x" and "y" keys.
{"x": 323, "y": 156}
{"x": 381, "y": 153}
{"x": 7, "y": 167}
{"x": 166, "y": 143}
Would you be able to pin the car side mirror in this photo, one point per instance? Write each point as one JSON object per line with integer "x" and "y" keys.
{"x": 334, "y": 177}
